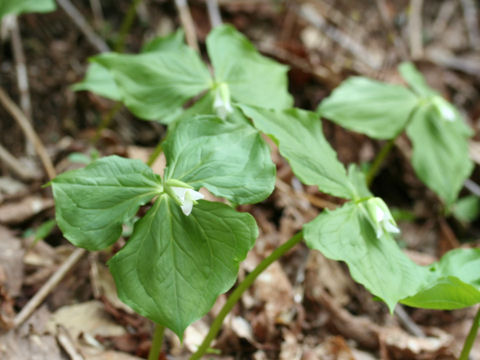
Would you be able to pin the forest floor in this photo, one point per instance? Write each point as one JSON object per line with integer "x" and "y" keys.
{"x": 304, "y": 306}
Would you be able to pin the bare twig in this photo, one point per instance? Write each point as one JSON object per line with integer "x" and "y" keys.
{"x": 29, "y": 132}
{"x": 407, "y": 322}
{"x": 214, "y": 13}
{"x": 187, "y": 23}
{"x": 415, "y": 29}
{"x": 468, "y": 65}
{"x": 473, "y": 187}
{"x": 309, "y": 13}
{"x": 22, "y": 77}
{"x": 83, "y": 25}
{"x": 38, "y": 298}
{"x": 14, "y": 165}
{"x": 445, "y": 13}
{"x": 470, "y": 14}
{"x": 97, "y": 12}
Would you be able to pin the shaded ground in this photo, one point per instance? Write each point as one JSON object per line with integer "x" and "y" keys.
{"x": 305, "y": 307}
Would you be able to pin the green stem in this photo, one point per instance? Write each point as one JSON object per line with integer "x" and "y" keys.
{"x": 106, "y": 120}
{"x": 379, "y": 159}
{"x": 155, "y": 154}
{"x": 126, "y": 25}
{"x": 472, "y": 334}
{"x": 157, "y": 341}
{"x": 382, "y": 155}
{"x": 237, "y": 293}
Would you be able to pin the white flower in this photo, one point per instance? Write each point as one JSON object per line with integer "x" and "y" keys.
{"x": 222, "y": 105}
{"x": 380, "y": 217}
{"x": 187, "y": 198}
{"x": 444, "y": 108}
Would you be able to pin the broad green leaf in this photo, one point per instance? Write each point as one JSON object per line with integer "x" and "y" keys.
{"x": 230, "y": 159}
{"x": 453, "y": 283}
{"x": 252, "y": 78}
{"x": 440, "y": 152}
{"x": 467, "y": 209}
{"x": 174, "y": 266}
{"x": 155, "y": 84}
{"x": 370, "y": 107}
{"x": 345, "y": 234}
{"x": 300, "y": 140}
{"x": 415, "y": 79}
{"x": 25, "y": 6}
{"x": 92, "y": 203}
{"x": 99, "y": 80}
{"x": 359, "y": 182}
{"x": 170, "y": 42}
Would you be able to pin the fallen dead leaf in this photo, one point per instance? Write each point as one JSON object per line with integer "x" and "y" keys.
{"x": 17, "y": 212}
{"x": 88, "y": 317}
{"x": 11, "y": 262}
{"x": 403, "y": 346}
{"x": 325, "y": 274}
{"x": 30, "y": 341}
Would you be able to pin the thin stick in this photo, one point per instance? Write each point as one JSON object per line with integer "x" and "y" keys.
{"x": 97, "y": 13}
{"x": 472, "y": 186}
{"x": 214, "y": 13}
{"x": 407, "y": 322}
{"x": 187, "y": 23}
{"x": 14, "y": 165}
{"x": 472, "y": 334}
{"x": 470, "y": 14}
{"x": 157, "y": 342}
{"x": 38, "y": 298}
{"x": 241, "y": 288}
{"x": 83, "y": 25}
{"x": 415, "y": 29}
{"x": 29, "y": 132}
{"x": 310, "y": 14}
{"x": 22, "y": 76}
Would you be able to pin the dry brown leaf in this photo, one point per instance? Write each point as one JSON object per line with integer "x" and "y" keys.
{"x": 274, "y": 289}
{"x": 88, "y": 317}
{"x": 30, "y": 341}
{"x": 18, "y": 212}
{"x": 142, "y": 153}
{"x": 104, "y": 285}
{"x": 11, "y": 262}
{"x": 403, "y": 346}
{"x": 325, "y": 274}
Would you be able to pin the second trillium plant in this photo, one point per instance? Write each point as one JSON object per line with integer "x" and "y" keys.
{"x": 185, "y": 250}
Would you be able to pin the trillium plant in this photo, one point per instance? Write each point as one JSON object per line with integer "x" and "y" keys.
{"x": 185, "y": 251}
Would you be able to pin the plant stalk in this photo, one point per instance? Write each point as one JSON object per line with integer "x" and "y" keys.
{"x": 155, "y": 154}
{"x": 379, "y": 159}
{"x": 157, "y": 341}
{"x": 472, "y": 334}
{"x": 237, "y": 293}
{"x": 126, "y": 25}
